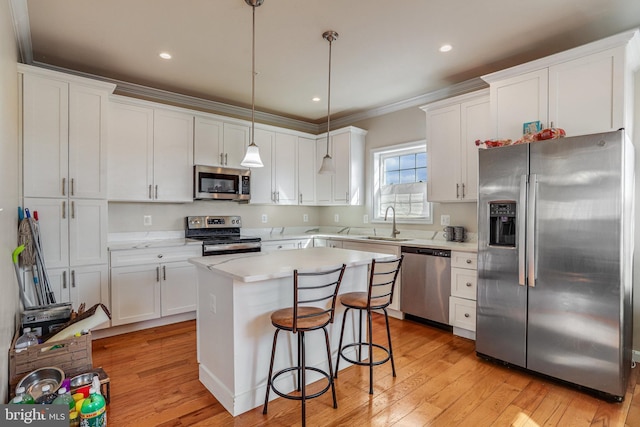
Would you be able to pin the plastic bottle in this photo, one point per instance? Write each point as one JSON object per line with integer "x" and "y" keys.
{"x": 27, "y": 339}
{"x": 93, "y": 412}
{"x": 24, "y": 396}
{"x": 64, "y": 398}
{"x": 47, "y": 395}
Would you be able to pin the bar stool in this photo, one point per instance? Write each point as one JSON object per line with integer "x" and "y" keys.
{"x": 314, "y": 302}
{"x": 382, "y": 282}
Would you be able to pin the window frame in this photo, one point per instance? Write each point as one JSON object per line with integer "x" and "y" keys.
{"x": 376, "y": 156}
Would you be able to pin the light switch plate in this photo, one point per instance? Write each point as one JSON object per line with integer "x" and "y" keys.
{"x": 147, "y": 220}
{"x": 264, "y": 218}
{"x": 445, "y": 219}
{"x": 336, "y": 218}
{"x": 305, "y": 218}
{"x": 365, "y": 218}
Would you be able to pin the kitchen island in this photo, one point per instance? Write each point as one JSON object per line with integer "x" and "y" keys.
{"x": 236, "y": 296}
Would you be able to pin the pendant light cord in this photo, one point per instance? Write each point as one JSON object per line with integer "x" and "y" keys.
{"x": 253, "y": 79}
{"x": 329, "y": 96}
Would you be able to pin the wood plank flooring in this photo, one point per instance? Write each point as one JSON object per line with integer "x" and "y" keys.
{"x": 440, "y": 382}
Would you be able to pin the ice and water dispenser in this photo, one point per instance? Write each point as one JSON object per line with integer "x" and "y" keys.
{"x": 502, "y": 224}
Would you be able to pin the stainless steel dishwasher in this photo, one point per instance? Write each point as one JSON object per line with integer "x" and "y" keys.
{"x": 426, "y": 283}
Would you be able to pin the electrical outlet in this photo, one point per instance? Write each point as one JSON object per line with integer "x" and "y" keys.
{"x": 445, "y": 219}
{"x": 305, "y": 218}
{"x": 336, "y": 218}
{"x": 264, "y": 218}
{"x": 212, "y": 303}
{"x": 147, "y": 220}
{"x": 365, "y": 218}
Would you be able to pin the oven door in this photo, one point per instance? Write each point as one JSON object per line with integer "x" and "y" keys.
{"x": 209, "y": 249}
{"x": 212, "y": 182}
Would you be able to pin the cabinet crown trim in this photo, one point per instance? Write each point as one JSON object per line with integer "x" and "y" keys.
{"x": 67, "y": 78}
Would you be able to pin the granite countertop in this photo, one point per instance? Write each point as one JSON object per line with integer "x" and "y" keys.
{"x": 259, "y": 266}
{"x": 159, "y": 239}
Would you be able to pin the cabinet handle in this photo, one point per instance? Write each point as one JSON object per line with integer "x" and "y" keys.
{"x": 150, "y": 193}
{"x": 277, "y": 197}
{"x": 64, "y": 209}
{"x": 468, "y": 261}
{"x": 463, "y": 191}
{"x": 457, "y": 191}
{"x": 73, "y": 187}
{"x": 73, "y": 209}
{"x": 64, "y": 280}
{"x": 225, "y": 158}
{"x": 222, "y": 158}
{"x": 157, "y": 274}
{"x": 551, "y": 124}
{"x": 300, "y": 198}
{"x": 466, "y": 315}
{"x": 73, "y": 278}
{"x": 164, "y": 273}
{"x": 156, "y": 191}
{"x": 468, "y": 284}
{"x": 64, "y": 184}
{"x": 273, "y": 196}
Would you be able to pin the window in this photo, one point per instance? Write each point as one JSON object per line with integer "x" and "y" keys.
{"x": 400, "y": 181}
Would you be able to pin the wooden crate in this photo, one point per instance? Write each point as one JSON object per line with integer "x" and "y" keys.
{"x": 72, "y": 355}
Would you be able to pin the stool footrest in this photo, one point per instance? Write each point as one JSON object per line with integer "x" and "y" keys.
{"x": 365, "y": 344}
{"x": 298, "y": 368}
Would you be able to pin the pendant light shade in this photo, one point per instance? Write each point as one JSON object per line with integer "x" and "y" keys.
{"x": 327, "y": 166}
{"x": 252, "y": 157}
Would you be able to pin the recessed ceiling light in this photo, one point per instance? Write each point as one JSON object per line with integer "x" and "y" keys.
{"x": 445, "y": 48}
{"x": 165, "y": 55}
{"x": 315, "y": 99}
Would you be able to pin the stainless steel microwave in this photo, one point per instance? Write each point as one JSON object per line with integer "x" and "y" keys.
{"x": 218, "y": 183}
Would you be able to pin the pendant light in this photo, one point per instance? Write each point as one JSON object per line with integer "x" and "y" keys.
{"x": 327, "y": 166}
{"x": 252, "y": 157}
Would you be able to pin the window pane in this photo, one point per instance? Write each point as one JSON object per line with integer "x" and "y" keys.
{"x": 421, "y": 175}
{"x": 408, "y": 161}
{"x": 407, "y": 176}
{"x": 421, "y": 160}
{"x": 391, "y": 178}
{"x": 391, "y": 164}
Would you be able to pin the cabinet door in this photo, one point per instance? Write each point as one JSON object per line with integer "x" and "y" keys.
{"x": 285, "y": 170}
{"x": 45, "y": 125}
{"x": 87, "y": 142}
{"x": 172, "y": 156}
{"x": 443, "y": 154}
{"x": 53, "y": 228}
{"x": 475, "y": 123}
{"x": 324, "y": 182}
{"x": 87, "y": 232}
{"x": 307, "y": 171}
{"x": 135, "y": 294}
{"x": 280, "y": 245}
{"x": 262, "y": 188}
{"x": 207, "y": 142}
{"x": 235, "y": 142}
{"x": 595, "y": 81}
{"x": 179, "y": 288}
{"x": 342, "y": 159}
{"x": 59, "y": 283}
{"x": 89, "y": 285}
{"x": 130, "y": 149}
{"x": 518, "y": 100}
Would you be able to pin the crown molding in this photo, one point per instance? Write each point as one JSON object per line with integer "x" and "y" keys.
{"x": 22, "y": 29}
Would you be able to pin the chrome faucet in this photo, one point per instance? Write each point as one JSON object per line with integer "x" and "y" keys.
{"x": 394, "y": 230}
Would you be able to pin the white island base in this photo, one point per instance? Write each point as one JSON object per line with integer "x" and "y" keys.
{"x": 236, "y": 296}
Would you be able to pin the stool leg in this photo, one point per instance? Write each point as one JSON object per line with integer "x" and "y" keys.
{"x": 300, "y": 348}
{"x": 369, "y": 321}
{"x": 344, "y": 319}
{"x": 393, "y": 366}
{"x": 273, "y": 353}
{"x": 333, "y": 387}
{"x": 304, "y": 378}
{"x": 360, "y": 336}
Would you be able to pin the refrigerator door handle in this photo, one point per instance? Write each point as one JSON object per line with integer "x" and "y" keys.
{"x": 522, "y": 203}
{"x": 531, "y": 237}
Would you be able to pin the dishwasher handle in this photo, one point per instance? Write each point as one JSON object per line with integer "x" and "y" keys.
{"x": 426, "y": 251}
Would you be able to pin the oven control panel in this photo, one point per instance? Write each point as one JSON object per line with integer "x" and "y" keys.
{"x": 195, "y": 222}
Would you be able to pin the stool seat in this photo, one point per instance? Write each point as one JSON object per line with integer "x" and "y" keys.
{"x": 309, "y": 318}
{"x": 358, "y": 301}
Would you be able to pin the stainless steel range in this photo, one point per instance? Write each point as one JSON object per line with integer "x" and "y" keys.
{"x": 220, "y": 235}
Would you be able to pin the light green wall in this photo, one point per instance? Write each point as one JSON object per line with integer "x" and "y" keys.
{"x": 9, "y": 188}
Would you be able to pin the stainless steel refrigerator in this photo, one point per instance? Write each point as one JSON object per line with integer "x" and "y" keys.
{"x": 555, "y": 254}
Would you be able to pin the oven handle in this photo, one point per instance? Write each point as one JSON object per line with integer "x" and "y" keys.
{"x": 230, "y": 247}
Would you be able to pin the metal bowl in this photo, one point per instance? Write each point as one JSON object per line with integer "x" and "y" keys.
{"x": 82, "y": 380}
{"x": 34, "y": 381}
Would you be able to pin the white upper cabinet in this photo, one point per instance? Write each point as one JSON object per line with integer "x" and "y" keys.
{"x": 262, "y": 191}
{"x": 64, "y": 135}
{"x": 150, "y": 153}
{"x": 583, "y": 90}
{"x": 276, "y": 181}
{"x": 219, "y": 144}
{"x": 306, "y": 171}
{"x": 453, "y": 126}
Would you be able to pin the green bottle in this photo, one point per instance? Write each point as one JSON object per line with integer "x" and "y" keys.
{"x": 94, "y": 408}
{"x": 64, "y": 398}
{"x": 22, "y": 397}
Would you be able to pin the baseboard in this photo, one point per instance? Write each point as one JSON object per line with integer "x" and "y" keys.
{"x": 138, "y": 326}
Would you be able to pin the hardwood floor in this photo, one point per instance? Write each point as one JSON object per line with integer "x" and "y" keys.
{"x": 440, "y": 382}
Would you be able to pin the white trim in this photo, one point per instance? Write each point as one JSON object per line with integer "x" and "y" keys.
{"x": 22, "y": 29}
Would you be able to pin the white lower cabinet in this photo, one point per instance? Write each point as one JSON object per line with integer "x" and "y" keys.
{"x": 144, "y": 288}
{"x": 462, "y": 302}
{"x": 280, "y": 245}
{"x": 319, "y": 242}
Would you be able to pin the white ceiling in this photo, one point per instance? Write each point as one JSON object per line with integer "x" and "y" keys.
{"x": 387, "y": 51}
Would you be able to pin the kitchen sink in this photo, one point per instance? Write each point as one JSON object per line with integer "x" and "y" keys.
{"x": 388, "y": 239}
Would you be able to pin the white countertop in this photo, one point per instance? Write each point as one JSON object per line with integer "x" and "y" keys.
{"x": 258, "y": 266}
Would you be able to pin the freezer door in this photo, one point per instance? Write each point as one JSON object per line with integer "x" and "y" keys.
{"x": 501, "y": 300}
{"x": 575, "y": 301}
